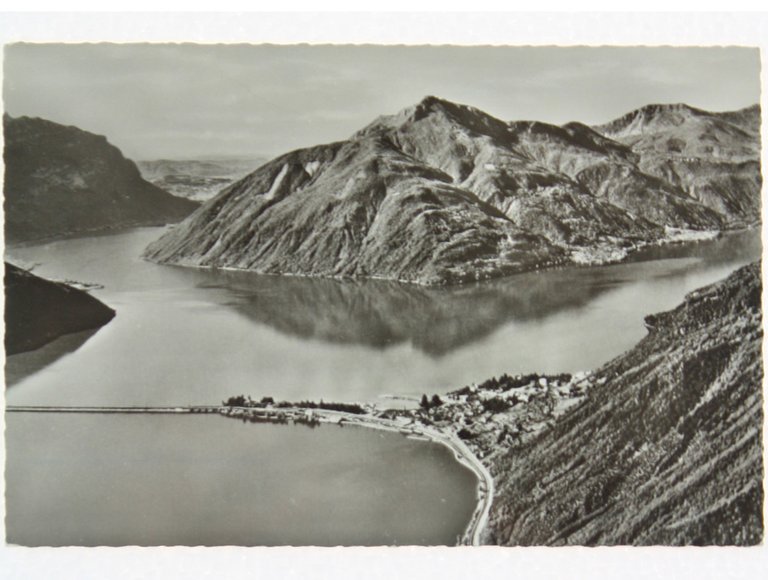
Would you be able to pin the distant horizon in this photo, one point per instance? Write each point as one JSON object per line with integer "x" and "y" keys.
{"x": 209, "y": 157}
{"x": 191, "y": 102}
{"x": 266, "y": 156}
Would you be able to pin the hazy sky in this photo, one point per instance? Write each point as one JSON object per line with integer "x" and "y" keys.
{"x": 188, "y": 100}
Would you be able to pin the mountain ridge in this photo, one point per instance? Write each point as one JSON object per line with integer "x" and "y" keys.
{"x": 714, "y": 158}
{"x": 62, "y": 181}
{"x": 557, "y": 194}
{"x": 391, "y": 217}
{"x": 673, "y": 114}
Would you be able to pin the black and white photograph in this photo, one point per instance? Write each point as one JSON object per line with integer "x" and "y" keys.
{"x": 372, "y": 295}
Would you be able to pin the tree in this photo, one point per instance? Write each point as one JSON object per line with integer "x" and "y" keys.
{"x": 466, "y": 434}
{"x": 238, "y": 401}
{"x": 496, "y": 405}
{"x": 424, "y": 402}
{"x": 436, "y": 401}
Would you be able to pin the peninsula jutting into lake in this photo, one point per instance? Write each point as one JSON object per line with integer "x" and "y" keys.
{"x": 442, "y": 327}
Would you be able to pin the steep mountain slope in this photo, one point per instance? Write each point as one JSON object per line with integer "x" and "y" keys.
{"x": 37, "y": 310}
{"x": 747, "y": 119}
{"x": 667, "y": 447}
{"x": 61, "y": 180}
{"x": 713, "y": 157}
{"x": 530, "y": 171}
{"x": 439, "y": 193}
{"x": 358, "y": 208}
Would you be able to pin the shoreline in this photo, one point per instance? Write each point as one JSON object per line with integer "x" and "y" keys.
{"x": 580, "y": 257}
{"x": 462, "y": 454}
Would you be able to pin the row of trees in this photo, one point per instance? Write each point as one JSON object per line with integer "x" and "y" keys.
{"x": 506, "y": 382}
{"x": 353, "y": 408}
{"x": 244, "y": 401}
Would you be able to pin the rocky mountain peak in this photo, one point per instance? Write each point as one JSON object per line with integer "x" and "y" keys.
{"x": 650, "y": 117}
{"x": 432, "y": 103}
{"x": 444, "y": 193}
{"x": 435, "y": 115}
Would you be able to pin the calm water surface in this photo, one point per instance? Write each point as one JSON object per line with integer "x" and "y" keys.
{"x": 192, "y": 480}
{"x": 184, "y": 336}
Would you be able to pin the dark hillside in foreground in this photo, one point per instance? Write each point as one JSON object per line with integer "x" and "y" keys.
{"x": 37, "y": 310}
{"x": 667, "y": 447}
{"x": 62, "y": 181}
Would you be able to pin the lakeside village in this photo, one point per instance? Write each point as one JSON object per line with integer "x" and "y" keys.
{"x": 489, "y": 417}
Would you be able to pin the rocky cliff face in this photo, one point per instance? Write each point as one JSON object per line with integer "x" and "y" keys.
{"x": 62, "y": 181}
{"x": 667, "y": 447}
{"x": 37, "y": 310}
{"x": 443, "y": 193}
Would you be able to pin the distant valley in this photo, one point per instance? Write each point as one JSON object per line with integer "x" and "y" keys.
{"x": 443, "y": 193}
{"x": 197, "y": 179}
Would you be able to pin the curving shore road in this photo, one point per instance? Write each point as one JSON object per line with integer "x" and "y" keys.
{"x": 462, "y": 453}
{"x": 485, "y": 489}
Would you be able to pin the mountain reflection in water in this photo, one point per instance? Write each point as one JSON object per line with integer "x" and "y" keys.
{"x": 381, "y": 314}
{"x": 437, "y": 320}
{"x": 21, "y": 365}
{"x": 192, "y": 336}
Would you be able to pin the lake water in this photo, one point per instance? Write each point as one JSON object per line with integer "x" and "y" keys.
{"x": 193, "y": 480}
{"x": 184, "y": 336}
